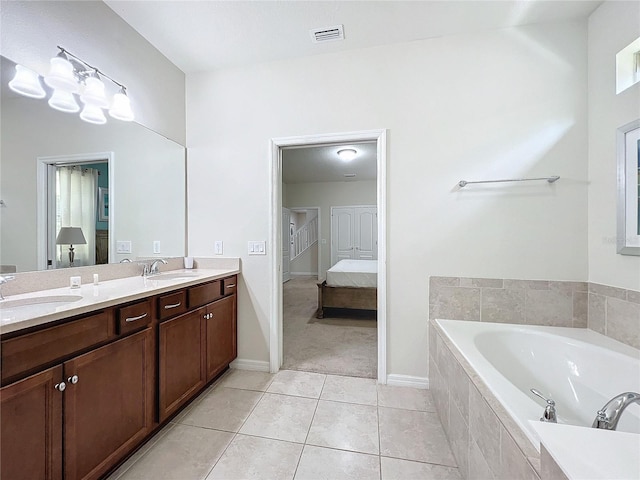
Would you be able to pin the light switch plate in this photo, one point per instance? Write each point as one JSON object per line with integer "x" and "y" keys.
{"x": 123, "y": 246}
{"x": 257, "y": 247}
{"x": 217, "y": 247}
{"x": 156, "y": 246}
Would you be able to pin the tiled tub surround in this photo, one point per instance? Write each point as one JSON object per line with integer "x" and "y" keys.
{"x": 485, "y": 440}
{"x": 611, "y": 311}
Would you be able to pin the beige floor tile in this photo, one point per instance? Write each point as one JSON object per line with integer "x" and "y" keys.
{"x": 345, "y": 426}
{"x": 185, "y": 452}
{"x": 257, "y": 458}
{"x": 396, "y": 469}
{"x": 281, "y": 417}
{"x": 222, "y": 409}
{"x": 413, "y": 435}
{"x": 247, "y": 380}
{"x": 300, "y": 384}
{"x": 405, "y": 397}
{"x": 350, "y": 390}
{"x": 319, "y": 463}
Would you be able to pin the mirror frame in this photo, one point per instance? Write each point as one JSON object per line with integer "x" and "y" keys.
{"x": 628, "y": 238}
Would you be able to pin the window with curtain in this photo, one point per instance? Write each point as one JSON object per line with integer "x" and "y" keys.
{"x": 76, "y": 206}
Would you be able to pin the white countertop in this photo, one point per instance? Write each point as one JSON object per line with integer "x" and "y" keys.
{"x": 96, "y": 297}
{"x": 584, "y": 453}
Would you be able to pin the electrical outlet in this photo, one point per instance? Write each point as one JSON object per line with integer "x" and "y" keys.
{"x": 156, "y": 246}
{"x": 217, "y": 247}
{"x": 123, "y": 246}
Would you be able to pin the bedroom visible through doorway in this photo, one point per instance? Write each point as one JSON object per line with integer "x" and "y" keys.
{"x": 328, "y": 205}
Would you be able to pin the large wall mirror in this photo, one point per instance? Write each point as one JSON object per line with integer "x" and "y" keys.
{"x": 629, "y": 189}
{"x": 136, "y": 181}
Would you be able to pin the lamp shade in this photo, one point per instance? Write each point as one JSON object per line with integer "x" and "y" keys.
{"x": 63, "y": 101}
{"x": 93, "y": 114}
{"x": 27, "y": 82}
{"x": 70, "y": 236}
{"x": 61, "y": 75}
{"x": 93, "y": 93}
{"x": 121, "y": 107}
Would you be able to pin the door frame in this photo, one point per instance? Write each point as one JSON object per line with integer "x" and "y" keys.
{"x": 43, "y": 190}
{"x": 275, "y": 235}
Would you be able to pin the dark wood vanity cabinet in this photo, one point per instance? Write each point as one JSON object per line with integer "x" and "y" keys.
{"x": 125, "y": 371}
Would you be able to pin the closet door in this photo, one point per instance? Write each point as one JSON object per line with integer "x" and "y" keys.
{"x": 366, "y": 233}
{"x": 342, "y": 230}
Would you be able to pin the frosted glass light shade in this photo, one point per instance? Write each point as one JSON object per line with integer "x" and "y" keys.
{"x": 93, "y": 93}
{"x": 63, "y": 101}
{"x": 121, "y": 107}
{"x": 61, "y": 75}
{"x": 93, "y": 114}
{"x": 347, "y": 154}
{"x": 27, "y": 82}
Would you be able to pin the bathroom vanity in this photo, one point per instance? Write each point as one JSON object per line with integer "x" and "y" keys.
{"x": 83, "y": 386}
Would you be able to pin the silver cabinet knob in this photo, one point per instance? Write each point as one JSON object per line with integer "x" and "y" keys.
{"x": 60, "y": 386}
{"x": 73, "y": 380}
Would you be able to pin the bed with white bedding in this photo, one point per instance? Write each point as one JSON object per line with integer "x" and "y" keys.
{"x": 350, "y": 284}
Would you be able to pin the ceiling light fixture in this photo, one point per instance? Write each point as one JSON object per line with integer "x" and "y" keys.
{"x": 347, "y": 154}
{"x": 69, "y": 75}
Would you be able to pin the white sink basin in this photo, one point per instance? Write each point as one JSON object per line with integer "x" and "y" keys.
{"x": 173, "y": 276}
{"x": 29, "y": 302}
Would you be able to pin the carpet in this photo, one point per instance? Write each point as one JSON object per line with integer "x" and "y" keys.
{"x": 342, "y": 343}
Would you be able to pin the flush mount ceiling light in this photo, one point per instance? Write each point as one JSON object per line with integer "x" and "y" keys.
{"x": 347, "y": 154}
{"x": 69, "y": 75}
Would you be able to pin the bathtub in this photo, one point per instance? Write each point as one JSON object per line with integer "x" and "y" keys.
{"x": 578, "y": 368}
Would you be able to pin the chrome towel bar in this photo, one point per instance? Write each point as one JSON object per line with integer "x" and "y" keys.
{"x": 463, "y": 183}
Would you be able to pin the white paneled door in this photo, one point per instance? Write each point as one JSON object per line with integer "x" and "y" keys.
{"x": 286, "y": 245}
{"x": 354, "y": 233}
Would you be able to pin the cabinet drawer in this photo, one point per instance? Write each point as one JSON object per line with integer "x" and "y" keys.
{"x": 203, "y": 294}
{"x": 172, "y": 304}
{"x": 229, "y": 285}
{"x": 27, "y": 352}
{"x": 134, "y": 317}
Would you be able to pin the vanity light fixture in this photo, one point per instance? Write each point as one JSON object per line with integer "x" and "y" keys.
{"x": 347, "y": 154}
{"x": 69, "y": 76}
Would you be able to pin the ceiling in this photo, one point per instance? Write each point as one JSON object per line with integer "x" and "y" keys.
{"x": 322, "y": 164}
{"x": 207, "y": 35}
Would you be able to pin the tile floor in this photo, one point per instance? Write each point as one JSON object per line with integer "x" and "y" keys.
{"x": 299, "y": 425}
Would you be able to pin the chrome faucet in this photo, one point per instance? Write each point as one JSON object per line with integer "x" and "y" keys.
{"x": 608, "y": 416}
{"x": 152, "y": 268}
{"x": 4, "y": 279}
{"x": 549, "y": 414}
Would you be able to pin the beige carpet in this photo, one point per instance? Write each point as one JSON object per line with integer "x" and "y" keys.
{"x": 342, "y": 343}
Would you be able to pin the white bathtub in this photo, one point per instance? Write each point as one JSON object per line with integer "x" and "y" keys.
{"x": 578, "y": 368}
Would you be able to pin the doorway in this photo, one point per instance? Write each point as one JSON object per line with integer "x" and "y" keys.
{"x": 73, "y": 208}
{"x": 379, "y": 138}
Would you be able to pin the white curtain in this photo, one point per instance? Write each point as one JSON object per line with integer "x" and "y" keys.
{"x": 76, "y": 206}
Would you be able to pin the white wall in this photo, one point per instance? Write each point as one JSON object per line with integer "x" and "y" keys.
{"x": 496, "y": 104}
{"x": 326, "y": 195}
{"x": 612, "y": 27}
{"x": 30, "y": 32}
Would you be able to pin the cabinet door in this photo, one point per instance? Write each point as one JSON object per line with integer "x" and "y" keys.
{"x": 181, "y": 343}
{"x": 221, "y": 335}
{"x": 110, "y": 408}
{"x": 31, "y": 427}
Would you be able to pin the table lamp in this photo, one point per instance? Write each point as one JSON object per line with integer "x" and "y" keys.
{"x": 70, "y": 236}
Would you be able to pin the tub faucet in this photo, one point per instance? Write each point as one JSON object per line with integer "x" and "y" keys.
{"x": 4, "y": 279}
{"x": 549, "y": 414}
{"x": 608, "y": 416}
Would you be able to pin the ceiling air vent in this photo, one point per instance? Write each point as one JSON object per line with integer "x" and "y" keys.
{"x": 328, "y": 34}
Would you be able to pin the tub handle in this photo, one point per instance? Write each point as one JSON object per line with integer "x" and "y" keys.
{"x": 549, "y": 414}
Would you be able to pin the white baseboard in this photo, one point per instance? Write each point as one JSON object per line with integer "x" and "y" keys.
{"x": 408, "y": 381}
{"x": 255, "y": 365}
{"x": 303, "y": 274}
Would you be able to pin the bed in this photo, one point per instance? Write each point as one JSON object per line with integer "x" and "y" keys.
{"x": 350, "y": 284}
